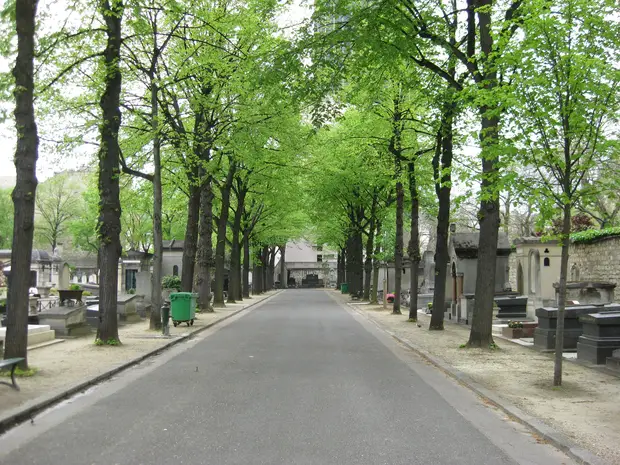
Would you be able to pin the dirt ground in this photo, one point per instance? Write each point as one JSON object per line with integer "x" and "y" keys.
{"x": 76, "y": 360}
{"x": 586, "y": 408}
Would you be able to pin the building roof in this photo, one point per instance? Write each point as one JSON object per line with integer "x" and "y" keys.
{"x": 465, "y": 245}
{"x": 173, "y": 244}
{"x": 38, "y": 255}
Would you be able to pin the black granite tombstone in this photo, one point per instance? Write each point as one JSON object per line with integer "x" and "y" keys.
{"x": 544, "y": 335}
{"x": 601, "y": 336}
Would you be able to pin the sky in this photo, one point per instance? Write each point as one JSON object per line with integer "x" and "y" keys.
{"x": 48, "y": 163}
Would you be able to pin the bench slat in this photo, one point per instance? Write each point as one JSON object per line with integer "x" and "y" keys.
{"x": 10, "y": 361}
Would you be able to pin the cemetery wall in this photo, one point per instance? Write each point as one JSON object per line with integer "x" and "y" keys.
{"x": 597, "y": 261}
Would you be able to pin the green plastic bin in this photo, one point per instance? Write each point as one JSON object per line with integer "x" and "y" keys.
{"x": 182, "y": 308}
{"x": 344, "y": 288}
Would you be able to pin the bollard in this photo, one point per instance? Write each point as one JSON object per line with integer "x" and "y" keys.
{"x": 165, "y": 318}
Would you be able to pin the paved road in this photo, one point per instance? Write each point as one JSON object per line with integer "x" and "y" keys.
{"x": 297, "y": 380}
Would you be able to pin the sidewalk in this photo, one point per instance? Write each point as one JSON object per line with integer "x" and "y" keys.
{"x": 586, "y": 409}
{"x": 75, "y": 361}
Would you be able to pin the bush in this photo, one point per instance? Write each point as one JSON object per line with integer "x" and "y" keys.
{"x": 87, "y": 294}
{"x": 75, "y": 287}
{"x": 131, "y": 291}
{"x": 593, "y": 235}
{"x": 515, "y": 324}
{"x": 171, "y": 282}
{"x": 53, "y": 291}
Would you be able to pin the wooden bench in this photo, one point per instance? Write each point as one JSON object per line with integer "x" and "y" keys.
{"x": 11, "y": 362}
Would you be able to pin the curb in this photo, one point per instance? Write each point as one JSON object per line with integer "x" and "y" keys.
{"x": 28, "y": 410}
{"x": 563, "y": 443}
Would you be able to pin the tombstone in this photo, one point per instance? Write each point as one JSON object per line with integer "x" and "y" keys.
{"x": 144, "y": 284}
{"x": 127, "y": 308}
{"x": 511, "y": 307}
{"x": 587, "y": 292}
{"x": 68, "y": 321}
{"x": 600, "y": 338}
{"x": 613, "y": 362}
{"x": 544, "y": 335}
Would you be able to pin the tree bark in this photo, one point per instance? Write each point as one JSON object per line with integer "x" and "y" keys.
{"x": 158, "y": 247}
{"x": 205, "y": 246}
{"x": 109, "y": 224}
{"x": 375, "y": 268}
{"x": 26, "y": 154}
{"x": 369, "y": 250}
{"x": 481, "y": 334}
{"x": 559, "y": 332}
{"x": 398, "y": 249}
{"x": 246, "y": 265}
{"x": 414, "y": 242}
{"x": 442, "y": 167}
{"x": 220, "y": 247}
{"x": 283, "y": 283}
{"x": 234, "y": 281}
{"x": 191, "y": 233}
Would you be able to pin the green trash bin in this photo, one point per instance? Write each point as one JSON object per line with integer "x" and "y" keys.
{"x": 182, "y": 308}
{"x": 344, "y": 288}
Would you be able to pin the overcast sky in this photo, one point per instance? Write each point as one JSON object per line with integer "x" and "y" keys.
{"x": 49, "y": 164}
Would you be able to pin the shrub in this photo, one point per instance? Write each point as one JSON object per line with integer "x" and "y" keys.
{"x": 592, "y": 235}
{"x": 75, "y": 287}
{"x": 87, "y": 293}
{"x": 515, "y": 324}
{"x": 131, "y": 291}
{"x": 53, "y": 291}
{"x": 171, "y": 282}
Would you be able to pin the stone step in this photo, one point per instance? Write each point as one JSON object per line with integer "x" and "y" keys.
{"x": 613, "y": 363}
{"x": 40, "y": 337}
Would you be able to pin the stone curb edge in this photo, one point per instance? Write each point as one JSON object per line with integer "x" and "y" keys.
{"x": 580, "y": 455}
{"x": 27, "y": 412}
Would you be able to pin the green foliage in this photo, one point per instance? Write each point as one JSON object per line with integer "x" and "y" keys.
{"x": 131, "y": 291}
{"x": 75, "y": 287}
{"x": 87, "y": 293}
{"x": 593, "y": 235}
{"x": 515, "y": 324}
{"x": 53, "y": 291}
{"x": 31, "y": 371}
{"x": 171, "y": 282}
{"x": 6, "y": 213}
{"x": 109, "y": 342}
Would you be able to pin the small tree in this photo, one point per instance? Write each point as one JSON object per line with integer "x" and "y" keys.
{"x": 57, "y": 203}
{"x": 566, "y": 96}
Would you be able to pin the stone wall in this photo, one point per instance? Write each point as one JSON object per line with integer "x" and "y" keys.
{"x": 597, "y": 261}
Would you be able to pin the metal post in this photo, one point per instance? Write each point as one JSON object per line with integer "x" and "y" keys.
{"x": 165, "y": 318}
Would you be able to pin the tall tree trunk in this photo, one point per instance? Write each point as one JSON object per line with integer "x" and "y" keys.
{"x": 340, "y": 269}
{"x": 414, "y": 242}
{"x": 234, "y": 281}
{"x": 442, "y": 168}
{"x": 158, "y": 247}
{"x": 481, "y": 334}
{"x": 205, "y": 246}
{"x": 109, "y": 224}
{"x": 398, "y": 249}
{"x": 559, "y": 332}
{"x": 191, "y": 233}
{"x": 283, "y": 283}
{"x": 220, "y": 247}
{"x": 246, "y": 265}
{"x": 26, "y": 154}
{"x": 265, "y": 269}
{"x": 375, "y": 268}
{"x": 369, "y": 250}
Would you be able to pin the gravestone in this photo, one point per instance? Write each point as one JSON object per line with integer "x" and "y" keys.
{"x": 544, "y": 335}
{"x": 601, "y": 336}
{"x": 588, "y": 292}
{"x": 144, "y": 284}
{"x": 613, "y": 362}
{"x": 127, "y": 308}
{"x": 66, "y": 320}
{"x": 511, "y": 307}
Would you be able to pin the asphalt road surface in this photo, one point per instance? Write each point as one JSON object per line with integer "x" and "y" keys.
{"x": 296, "y": 380}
